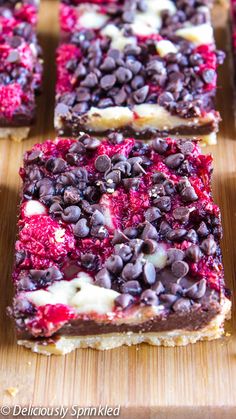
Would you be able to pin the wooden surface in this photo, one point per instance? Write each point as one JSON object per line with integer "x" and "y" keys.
{"x": 197, "y": 381}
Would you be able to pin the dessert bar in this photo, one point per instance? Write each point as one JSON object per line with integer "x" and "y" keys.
{"x": 139, "y": 67}
{"x": 119, "y": 243}
{"x": 20, "y": 67}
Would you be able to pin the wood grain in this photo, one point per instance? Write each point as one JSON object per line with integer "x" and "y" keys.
{"x": 150, "y": 382}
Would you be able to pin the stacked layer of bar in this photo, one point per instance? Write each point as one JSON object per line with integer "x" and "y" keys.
{"x": 118, "y": 244}
{"x": 20, "y": 67}
{"x": 140, "y": 67}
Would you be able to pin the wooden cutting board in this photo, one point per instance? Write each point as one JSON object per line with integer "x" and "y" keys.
{"x": 147, "y": 382}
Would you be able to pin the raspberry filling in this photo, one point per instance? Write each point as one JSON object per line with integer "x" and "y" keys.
{"x": 108, "y": 228}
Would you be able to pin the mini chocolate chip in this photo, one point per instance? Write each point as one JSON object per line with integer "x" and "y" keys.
{"x": 176, "y": 289}
{"x": 108, "y": 81}
{"x": 174, "y": 255}
{"x": 191, "y": 236}
{"x": 119, "y": 237}
{"x": 182, "y": 304}
{"x": 115, "y": 137}
{"x": 97, "y": 218}
{"x": 91, "y": 143}
{"x": 181, "y": 214}
{"x": 177, "y": 234}
{"x": 149, "y": 246}
{"x": 164, "y": 228}
{"x": 131, "y": 183}
{"x": 56, "y": 209}
{"x": 124, "y": 251}
{"x": 13, "y": 56}
{"x": 169, "y": 299}
{"x": 197, "y": 290}
{"x": 123, "y": 75}
{"x": 174, "y": 160}
{"x": 124, "y": 300}
{"x": 209, "y": 246}
{"x": 169, "y": 187}
{"x": 81, "y": 228}
{"x": 131, "y": 232}
{"x": 140, "y": 95}
{"x": 103, "y": 279}
{"x": 132, "y": 271}
{"x": 71, "y": 195}
{"x": 193, "y": 253}
{"x": 71, "y": 214}
{"x": 34, "y": 156}
{"x": 114, "y": 264}
{"x": 108, "y": 64}
{"x": 188, "y": 194}
{"x": 163, "y": 203}
{"x": 202, "y": 230}
{"x": 152, "y": 214}
{"x": 158, "y": 288}
{"x": 80, "y": 108}
{"x": 90, "y": 80}
{"x": 149, "y": 232}
{"x": 99, "y": 231}
{"x": 159, "y": 145}
{"x": 131, "y": 287}
{"x": 179, "y": 268}
{"x": 158, "y": 177}
{"x": 134, "y": 66}
{"x": 102, "y": 163}
{"x": 19, "y": 257}
{"x": 186, "y": 147}
{"x": 120, "y": 97}
{"x": 149, "y": 273}
{"x": 149, "y": 298}
{"x": 55, "y": 165}
{"x": 53, "y": 274}
{"x": 209, "y": 75}
{"x": 88, "y": 261}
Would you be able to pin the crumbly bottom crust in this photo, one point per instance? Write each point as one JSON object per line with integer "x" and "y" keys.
{"x": 65, "y": 344}
{"x": 14, "y": 133}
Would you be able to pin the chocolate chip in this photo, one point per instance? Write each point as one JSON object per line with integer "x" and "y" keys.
{"x": 163, "y": 203}
{"x": 55, "y": 165}
{"x": 149, "y": 246}
{"x": 71, "y": 214}
{"x": 88, "y": 261}
{"x": 114, "y": 264}
{"x": 164, "y": 228}
{"x": 149, "y": 273}
{"x": 124, "y": 251}
{"x": 102, "y": 163}
{"x": 20, "y": 257}
{"x": 149, "y": 298}
{"x": 81, "y": 228}
{"x": 91, "y": 143}
{"x": 158, "y": 177}
{"x": 168, "y": 299}
{"x": 13, "y": 57}
{"x": 152, "y": 214}
{"x": 71, "y": 195}
{"x": 140, "y": 95}
{"x": 132, "y": 271}
{"x": 202, "y": 230}
{"x": 188, "y": 194}
{"x": 115, "y": 137}
{"x": 108, "y": 64}
{"x": 131, "y": 183}
{"x": 165, "y": 98}
{"x": 186, "y": 147}
{"x": 120, "y": 97}
{"x": 90, "y": 80}
{"x": 176, "y": 235}
{"x": 182, "y": 304}
{"x": 174, "y": 255}
{"x": 124, "y": 300}
{"x": 131, "y": 232}
{"x": 169, "y": 187}
{"x": 181, "y": 214}
{"x": 53, "y": 274}
{"x": 123, "y": 75}
{"x": 103, "y": 279}
{"x": 197, "y": 290}
{"x": 179, "y": 268}
{"x": 209, "y": 246}
{"x": 149, "y": 232}
{"x": 158, "y": 288}
{"x": 80, "y": 108}
{"x": 131, "y": 287}
{"x": 174, "y": 160}
{"x": 97, "y": 218}
{"x": 208, "y": 75}
{"x": 119, "y": 237}
{"x": 193, "y": 253}
{"x": 105, "y": 103}
{"x": 134, "y": 66}
{"x": 99, "y": 231}
{"x": 108, "y": 81}
{"x": 191, "y": 236}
